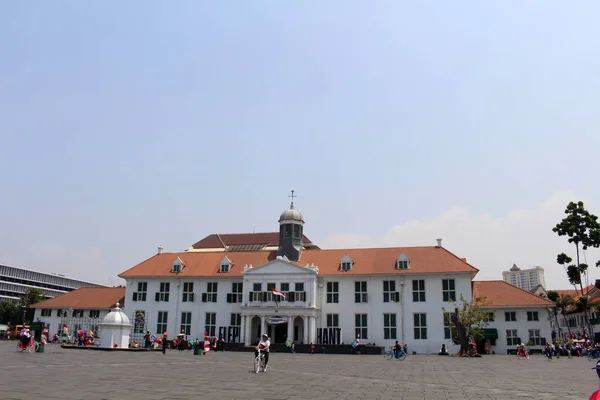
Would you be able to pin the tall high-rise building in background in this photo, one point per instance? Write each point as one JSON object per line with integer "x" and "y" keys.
{"x": 526, "y": 279}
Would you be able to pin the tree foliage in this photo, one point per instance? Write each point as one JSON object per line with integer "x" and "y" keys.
{"x": 31, "y": 296}
{"x": 583, "y": 230}
{"x": 9, "y": 312}
{"x": 467, "y": 322}
{"x": 561, "y": 302}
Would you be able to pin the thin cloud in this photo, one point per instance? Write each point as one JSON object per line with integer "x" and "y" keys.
{"x": 492, "y": 244}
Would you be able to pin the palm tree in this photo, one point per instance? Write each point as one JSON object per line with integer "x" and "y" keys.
{"x": 561, "y": 303}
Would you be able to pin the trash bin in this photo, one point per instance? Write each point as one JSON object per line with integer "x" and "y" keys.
{"x": 41, "y": 348}
{"x": 197, "y": 351}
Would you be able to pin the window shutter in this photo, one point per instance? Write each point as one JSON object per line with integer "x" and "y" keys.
{"x": 204, "y": 297}
{"x": 292, "y": 296}
{"x": 397, "y": 297}
{"x": 134, "y": 296}
{"x": 214, "y": 298}
{"x": 250, "y": 296}
{"x": 157, "y": 297}
{"x": 229, "y": 298}
{"x": 166, "y": 296}
{"x": 191, "y": 297}
{"x": 264, "y": 296}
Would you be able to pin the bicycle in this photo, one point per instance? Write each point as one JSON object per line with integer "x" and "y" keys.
{"x": 400, "y": 355}
{"x": 259, "y": 361}
{"x": 32, "y": 346}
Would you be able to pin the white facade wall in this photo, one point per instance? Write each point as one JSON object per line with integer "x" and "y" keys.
{"x": 521, "y": 324}
{"x": 314, "y": 311}
{"x": 53, "y": 322}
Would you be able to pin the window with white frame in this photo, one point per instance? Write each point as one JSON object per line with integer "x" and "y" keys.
{"x": 300, "y": 294}
{"x": 161, "y": 324}
{"x": 236, "y": 319}
{"x": 512, "y": 339}
{"x": 360, "y": 325}
{"x": 402, "y": 262}
{"x": 235, "y": 296}
{"x": 211, "y": 323}
{"x": 142, "y": 289}
{"x": 46, "y": 312}
{"x": 225, "y": 265}
{"x": 188, "y": 292}
{"x": 360, "y": 292}
{"x": 163, "y": 292}
{"x": 389, "y": 326}
{"x": 186, "y": 323}
{"x": 489, "y": 317}
{"x": 510, "y": 316}
{"x": 346, "y": 263}
{"x": 333, "y": 320}
{"x": 447, "y": 326}
{"x": 333, "y": 292}
{"x": 448, "y": 290}
{"x": 94, "y": 313}
{"x": 77, "y": 313}
{"x": 420, "y": 326}
{"x": 418, "y": 287}
{"x": 389, "y": 292}
{"x": 211, "y": 293}
{"x": 532, "y": 316}
{"x": 535, "y": 337}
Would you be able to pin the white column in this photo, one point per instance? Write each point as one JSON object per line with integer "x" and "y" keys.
{"x": 242, "y": 337}
{"x": 263, "y": 326}
{"x": 248, "y": 330}
{"x": 313, "y": 329}
{"x": 305, "y": 330}
{"x": 290, "y": 331}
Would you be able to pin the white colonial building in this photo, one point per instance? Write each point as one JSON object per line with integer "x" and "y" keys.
{"x": 83, "y": 308}
{"x": 228, "y": 285}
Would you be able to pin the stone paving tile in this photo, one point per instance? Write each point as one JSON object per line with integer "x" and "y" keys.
{"x": 93, "y": 375}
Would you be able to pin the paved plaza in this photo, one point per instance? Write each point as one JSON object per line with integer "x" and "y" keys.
{"x": 89, "y": 375}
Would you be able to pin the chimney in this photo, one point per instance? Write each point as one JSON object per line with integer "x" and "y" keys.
{"x": 160, "y": 249}
{"x": 439, "y": 241}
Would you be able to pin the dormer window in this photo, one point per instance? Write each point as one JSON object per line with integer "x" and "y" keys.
{"x": 346, "y": 263}
{"x": 177, "y": 265}
{"x": 225, "y": 265}
{"x": 403, "y": 262}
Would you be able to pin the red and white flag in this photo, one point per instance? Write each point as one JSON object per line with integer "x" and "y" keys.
{"x": 278, "y": 293}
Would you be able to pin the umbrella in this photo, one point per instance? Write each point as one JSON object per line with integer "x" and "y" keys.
{"x": 81, "y": 332}
{"x": 595, "y": 395}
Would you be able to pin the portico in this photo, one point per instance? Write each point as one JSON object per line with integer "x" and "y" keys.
{"x": 286, "y": 309}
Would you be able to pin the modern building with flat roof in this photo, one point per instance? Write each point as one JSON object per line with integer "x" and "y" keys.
{"x": 14, "y": 282}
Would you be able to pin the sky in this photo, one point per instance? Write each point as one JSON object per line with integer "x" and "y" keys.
{"x": 128, "y": 125}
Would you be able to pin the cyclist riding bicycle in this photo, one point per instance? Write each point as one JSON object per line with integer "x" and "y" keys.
{"x": 264, "y": 345}
{"x": 25, "y": 337}
{"x": 397, "y": 347}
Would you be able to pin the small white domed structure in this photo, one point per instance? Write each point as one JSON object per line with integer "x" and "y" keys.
{"x": 291, "y": 214}
{"x": 115, "y": 328}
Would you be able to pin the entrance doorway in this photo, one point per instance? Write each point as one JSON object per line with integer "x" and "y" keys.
{"x": 277, "y": 333}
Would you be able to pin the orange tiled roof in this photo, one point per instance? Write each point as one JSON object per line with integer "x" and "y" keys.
{"x": 86, "y": 299}
{"x": 575, "y": 294}
{"x": 423, "y": 260}
{"x": 500, "y": 293}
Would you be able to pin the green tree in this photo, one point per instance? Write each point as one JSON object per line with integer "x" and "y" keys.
{"x": 583, "y": 231}
{"x": 9, "y": 312}
{"x": 468, "y": 321}
{"x": 31, "y": 296}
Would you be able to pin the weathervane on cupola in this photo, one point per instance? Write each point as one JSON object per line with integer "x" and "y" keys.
{"x": 291, "y": 224}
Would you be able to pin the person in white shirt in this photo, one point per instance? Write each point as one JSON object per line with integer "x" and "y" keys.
{"x": 264, "y": 345}
{"x": 25, "y": 337}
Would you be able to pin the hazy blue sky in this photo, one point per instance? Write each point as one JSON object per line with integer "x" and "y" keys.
{"x": 125, "y": 125}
